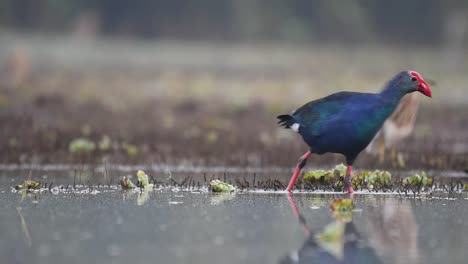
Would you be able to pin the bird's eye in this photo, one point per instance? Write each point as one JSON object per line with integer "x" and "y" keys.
{"x": 414, "y": 79}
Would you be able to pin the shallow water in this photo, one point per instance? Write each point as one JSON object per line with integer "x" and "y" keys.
{"x": 112, "y": 226}
{"x": 186, "y": 175}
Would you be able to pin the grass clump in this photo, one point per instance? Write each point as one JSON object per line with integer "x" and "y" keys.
{"x": 220, "y": 186}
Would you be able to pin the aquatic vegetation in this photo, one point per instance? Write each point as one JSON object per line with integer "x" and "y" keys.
{"x": 377, "y": 180}
{"x": 341, "y": 168}
{"x": 126, "y": 183}
{"x": 326, "y": 178}
{"x": 219, "y": 186}
{"x": 317, "y": 175}
{"x": 333, "y": 179}
{"x": 372, "y": 180}
{"x": 143, "y": 181}
{"x": 81, "y": 146}
{"x": 28, "y": 185}
{"x": 417, "y": 180}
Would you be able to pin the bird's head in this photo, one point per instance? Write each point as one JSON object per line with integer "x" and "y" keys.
{"x": 411, "y": 81}
{"x": 421, "y": 85}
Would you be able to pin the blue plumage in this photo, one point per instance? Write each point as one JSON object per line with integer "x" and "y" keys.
{"x": 346, "y": 122}
{"x": 342, "y": 123}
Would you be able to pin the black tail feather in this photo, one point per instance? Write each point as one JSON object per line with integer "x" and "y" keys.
{"x": 285, "y": 120}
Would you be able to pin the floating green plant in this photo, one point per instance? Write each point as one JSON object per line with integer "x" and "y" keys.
{"x": 317, "y": 175}
{"x": 417, "y": 180}
{"x": 330, "y": 178}
{"x": 219, "y": 186}
{"x": 143, "y": 180}
{"x": 28, "y": 185}
{"x": 372, "y": 179}
{"x": 126, "y": 183}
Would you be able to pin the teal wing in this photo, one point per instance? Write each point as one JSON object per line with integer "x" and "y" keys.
{"x": 315, "y": 117}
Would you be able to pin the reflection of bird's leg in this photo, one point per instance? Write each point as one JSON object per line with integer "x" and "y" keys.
{"x": 298, "y": 215}
{"x": 382, "y": 150}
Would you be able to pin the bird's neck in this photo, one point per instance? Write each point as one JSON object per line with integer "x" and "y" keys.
{"x": 392, "y": 95}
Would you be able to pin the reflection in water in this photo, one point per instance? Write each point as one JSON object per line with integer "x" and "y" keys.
{"x": 393, "y": 232}
{"x": 24, "y": 227}
{"x": 392, "y": 238}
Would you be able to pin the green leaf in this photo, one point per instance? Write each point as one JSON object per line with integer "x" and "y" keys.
{"x": 341, "y": 168}
{"x": 143, "y": 180}
{"x": 219, "y": 186}
{"x": 28, "y": 185}
{"x": 314, "y": 175}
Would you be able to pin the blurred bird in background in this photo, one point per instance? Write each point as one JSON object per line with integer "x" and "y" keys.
{"x": 396, "y": 129}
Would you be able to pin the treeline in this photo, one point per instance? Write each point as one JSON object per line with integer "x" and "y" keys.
{"x": 400, "y": 21}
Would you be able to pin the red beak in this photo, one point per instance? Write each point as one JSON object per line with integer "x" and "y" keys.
{"x": 423, "y": 87}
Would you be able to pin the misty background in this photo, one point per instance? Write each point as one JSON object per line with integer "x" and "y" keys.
{"x": 399, "y": 22}
{"x": 157, "y": 76}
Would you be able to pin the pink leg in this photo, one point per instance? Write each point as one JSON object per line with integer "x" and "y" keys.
{"x": 300, "y": 165}
{"x": 347, "y": 180}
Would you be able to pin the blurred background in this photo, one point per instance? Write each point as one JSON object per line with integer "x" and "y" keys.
{"x": 201, "y": 82}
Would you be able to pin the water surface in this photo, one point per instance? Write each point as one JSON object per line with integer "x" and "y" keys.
{"x": 112, "y": 226}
